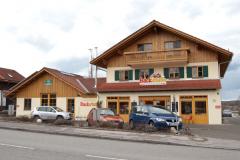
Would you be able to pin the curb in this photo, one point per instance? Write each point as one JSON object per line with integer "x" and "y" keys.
{"x": 115, "y": 138}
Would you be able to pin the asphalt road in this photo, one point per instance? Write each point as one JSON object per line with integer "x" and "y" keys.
{"x": 34, "y": 146}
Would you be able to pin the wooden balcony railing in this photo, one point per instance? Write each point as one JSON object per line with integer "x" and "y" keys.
{"x": 163, "y": 57}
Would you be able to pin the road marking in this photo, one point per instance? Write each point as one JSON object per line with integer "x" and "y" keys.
{"x": 16, "y": 146}
{"x": 100, "y": 157}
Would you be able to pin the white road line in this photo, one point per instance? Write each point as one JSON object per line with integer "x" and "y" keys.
{"x": 16, "y": 146}
{"x": 100, "y": 157}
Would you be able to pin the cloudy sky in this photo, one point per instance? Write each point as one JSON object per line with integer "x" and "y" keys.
{"x": 58, "y": 33}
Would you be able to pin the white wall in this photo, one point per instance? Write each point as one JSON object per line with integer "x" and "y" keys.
{"x": 212, "y": 71}
{"x": 62, "y": 103}
{"x": 215, "y": 115}
{"x": 81, "y": 111}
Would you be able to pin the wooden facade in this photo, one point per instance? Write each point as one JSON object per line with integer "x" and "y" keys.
{"x": 37, "y": 87}
{"x": 197, "y": 53}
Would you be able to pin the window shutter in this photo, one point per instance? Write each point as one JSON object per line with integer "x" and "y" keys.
{"x": 117, "y": 76}
{"x": 189, "y": 72}
{"x": 166, "y": 72}
{"x": 151, "y": 71}
{"x": 205, "y": 71}
{"x": 137, "y": 73}
{"x": 181, "y": 70}
{"x": 130, "y": 75}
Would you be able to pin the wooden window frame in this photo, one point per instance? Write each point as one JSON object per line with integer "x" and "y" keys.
{"x": 118, "y": 100}
{"x": 26, "y": 107}
{"x": 48, "y": 98}
{"x": 174, "y": 73}
{"x": 74, "y": 102}
{"x": 174, "y": 44}
{"x": 144, "y": 47}
{"x": 197, "y": 71}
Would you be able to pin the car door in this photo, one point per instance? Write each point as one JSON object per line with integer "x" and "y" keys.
{"x": 144, "y": 117}
{"x": 42, "y": 112}
{"x": 51, "y": 113}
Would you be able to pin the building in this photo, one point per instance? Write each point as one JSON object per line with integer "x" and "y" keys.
{"x": 165, "y": 67}
{"x": 8, "y": 78}
{"x": 50, "y": 87}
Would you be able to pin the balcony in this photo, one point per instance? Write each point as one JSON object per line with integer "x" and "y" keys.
{"x": 157, "y": 58}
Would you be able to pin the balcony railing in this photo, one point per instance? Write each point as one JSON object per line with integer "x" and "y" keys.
{"x": 162, "y": 57}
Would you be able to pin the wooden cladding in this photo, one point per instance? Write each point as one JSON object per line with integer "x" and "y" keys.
{"x": 159, "y": 53}
{"x": 157, "y": 57}
{"x": 37, "y": 87}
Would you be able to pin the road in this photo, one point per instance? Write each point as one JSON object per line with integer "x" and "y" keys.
{"x": 35, "y": 146}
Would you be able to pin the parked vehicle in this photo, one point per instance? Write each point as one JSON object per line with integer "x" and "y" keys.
{"x": 49, "y": 113}
{"x": 104, "y": 116}
{"x": 154, "y": 117}
{"x": 227, "y": 113}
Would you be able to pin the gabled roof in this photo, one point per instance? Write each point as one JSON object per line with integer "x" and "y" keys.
{"x": 178, "y": 85}
{"x": 225, "y": 55}
{"x": 9, "y": 75}
{"x": 81, "y": 84}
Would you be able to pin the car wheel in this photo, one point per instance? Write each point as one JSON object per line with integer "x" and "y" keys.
{"x": 151, "y": 124}
{"x": 36, "y": 118}
{"x": 131, "y": 124}
{"x": 60, "y": 118}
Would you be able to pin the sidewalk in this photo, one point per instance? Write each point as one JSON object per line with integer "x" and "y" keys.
{"x": 155, "y": 138}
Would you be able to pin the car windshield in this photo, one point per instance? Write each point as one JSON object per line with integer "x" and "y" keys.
{"x": 58, "y": 109}
{"x": 158, "y": 110}
{"x": 106, "y": 112}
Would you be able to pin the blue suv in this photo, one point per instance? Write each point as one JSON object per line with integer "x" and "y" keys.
{"x": 154, "y": 117}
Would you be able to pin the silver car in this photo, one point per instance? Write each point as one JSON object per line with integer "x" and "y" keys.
{"x": 49, "y": 113}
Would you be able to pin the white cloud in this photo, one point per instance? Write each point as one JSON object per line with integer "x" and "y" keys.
{"x": 41, "y": 32}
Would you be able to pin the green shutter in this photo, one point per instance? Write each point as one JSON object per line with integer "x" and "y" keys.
{"x": 130, "y": 75}
{"x": 181, "y": 69}
{"x": 205, "y": 71}
{"x": 117, "y": 76}
{"x": 166, "y": 72}
{"x": 137, "y": 73}
{"x": 189, "y": 72}
{"x": 151, "y": 71}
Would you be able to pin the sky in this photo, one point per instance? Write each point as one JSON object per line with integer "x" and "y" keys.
{"x": 59, "y": 33}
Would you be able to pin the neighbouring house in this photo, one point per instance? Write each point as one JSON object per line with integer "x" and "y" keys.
{"x": 165, "y": 67}
{"x": 8, "y": 78}
{"x": 50, "y": 87}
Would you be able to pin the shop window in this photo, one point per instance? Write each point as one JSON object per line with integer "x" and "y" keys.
{"x": 113, "y": 107}
{"x": 44, "y": 100}
{"x": 53, "y": 100}
{"x": 186, "y": 107}
{"x": 27, "y": 104}
{"x": 48, "y": 99}
{"x": 123, "y": 107}
{"x": 145, "y": 47}
{"x": 70, "y": 105}
{"x": 172, "y": 44}
{"x": 200, "y": 107}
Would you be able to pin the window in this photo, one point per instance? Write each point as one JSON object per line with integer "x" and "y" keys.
{"x": 70, "y": 105}
{"x": 113, "y": 107}
{"x": 143, "y": 73}
{"x": 123, "y": 75}
{"x": 174, "y": 72}
{"x": 27, "y": 104}
{"x": 197, "y": 71}
{"x": 53, "y": 100}
{"x": 200, "y": 107}
{"x": 145, "y": 47}
{"x": 172, "y": 44}
{"x": 123, "y": 107}
{"x": 48, "y": 100}
{"x": 186, "y": 107}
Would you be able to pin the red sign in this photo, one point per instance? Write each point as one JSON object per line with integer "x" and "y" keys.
{"x": 218, "y": 106}
{"x": 88, "y": 104}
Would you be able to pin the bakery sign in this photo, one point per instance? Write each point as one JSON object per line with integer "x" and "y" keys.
{"x": 88, "y": 104}
{"x": 154, "y": 79}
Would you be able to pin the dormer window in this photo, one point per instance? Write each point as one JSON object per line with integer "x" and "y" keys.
{"x": 145, "y": 47}
{"x": 172, "y": 44}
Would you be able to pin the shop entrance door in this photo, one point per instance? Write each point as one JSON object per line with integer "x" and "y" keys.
{"x": 195, "y": 106}
{"x": 120, "y": 106}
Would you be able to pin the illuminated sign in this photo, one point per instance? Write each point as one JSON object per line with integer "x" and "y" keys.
{"x": 154, "y": 79}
